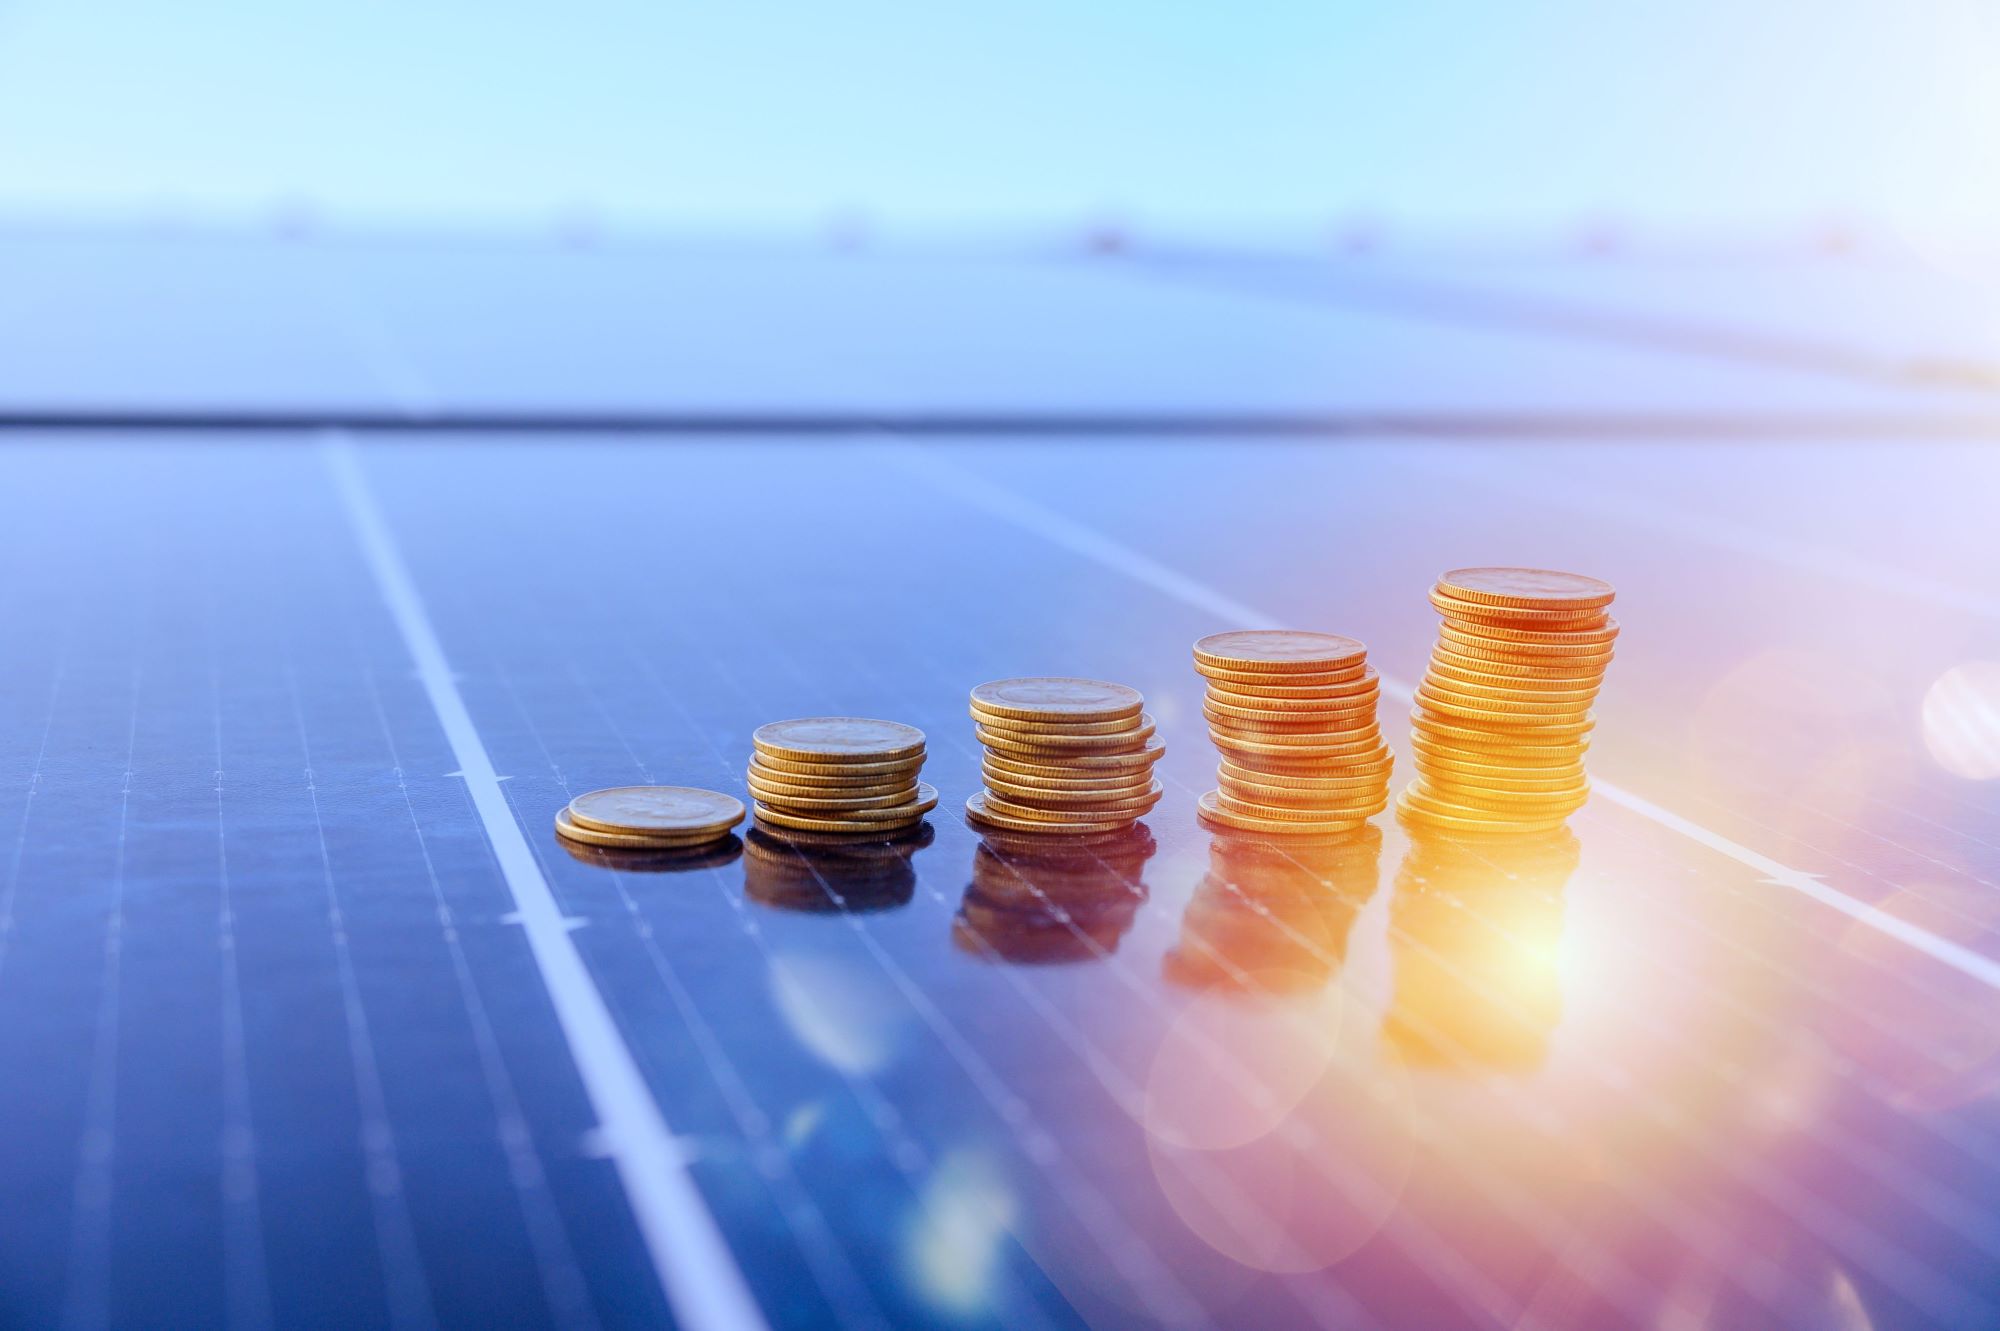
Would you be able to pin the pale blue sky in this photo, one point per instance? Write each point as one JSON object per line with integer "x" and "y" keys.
{"x": 1704, "y": 110}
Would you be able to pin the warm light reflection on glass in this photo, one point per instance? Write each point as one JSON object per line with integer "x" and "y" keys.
{"x": 957, "y": 1230}
{"x": 1052, "y": 898}
{"x": 1476, "y": 925}
{"x": 1962, "y": 720}
{"x": 1276, "y": 1127}
{"x": 847, "y": 1014}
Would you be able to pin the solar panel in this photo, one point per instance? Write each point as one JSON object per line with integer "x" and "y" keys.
{"x": 314, "y": 1021}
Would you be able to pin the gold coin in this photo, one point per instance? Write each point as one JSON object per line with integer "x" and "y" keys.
{"x": 1028, "y": 793}
{"x": 1360, "y": 727}
{"x": 865, "y": 820}
{"x": 977, "y": 810}
{"x": 1253, "y": 696}
{"x": 1457, "y": 722}
{"x": 575, "y": 831}
{"x": 1045, "y": 746}
{"x": 655, "y": 859}
{"x": 1078, "y": 764}
{"x": 761, "y": 779}
{"x": 1562, "y": 661}
{"x": 827, "y": 805}
{"x": 1474, "y": 804}
{"x": 652, "y": 810}
{"x": 1258, "y": 680}
{"x": 1122, "y": 845}
{"x": 1343, "y": 811}
{"x": 1412, "y": 811}
{"x": 895, "y": 843}
{"x": 1082, "y": 784}
{"x": 806, "y": 771}
{"x": 1295, "y": 805}
{"x": 1057, "y": 728}
{"x": 1500, "y": 775}
{"x": 1557, "y": 618}
{"x": 1337, "y": 782}
{"x": 1211, "y": 810}
{"x": 1532, "y": 702}
{"x": 1450, "y": 666}
{"x": 1453, "y": 784}
{"x": 1519, "y": 639}
{"x": 1235, "y": 704}
{"x": 1489, "y": 714}
{"x": 1057, "y": 696}
{"x": 1293, "y": 762}
{"x": 1426, "y": 749}
{"x": 1038, "y": 813}
{"x": 1319, "y": 714}
{"x": 1527, "y": 588}
{"x": 1278, "y": 651}
{"x": 1484, "y": 662}
{"x": 1336, "y": 776}
{"x": 1228, "y": 776}
{"x": 1260, "y": 756}
{"x": 839, "y": 739}
{"x": 1314, "y": 745}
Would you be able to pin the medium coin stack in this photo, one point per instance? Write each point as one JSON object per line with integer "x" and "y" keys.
{"x": 1294, "y": 716}
{"x": 839, "y": 774}
{"x": 649, "y": 817}
{"x": 1503, "y": 714}
{"x": 1064, "y": 756}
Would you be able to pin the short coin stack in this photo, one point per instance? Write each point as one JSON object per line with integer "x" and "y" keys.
{"x": 649, "y": 817}
{"x": 1064, "y": 756}
{"x": 1503, "y": 715}
{"x": 1294, "y": 716}
{"x": 839, "y": 774}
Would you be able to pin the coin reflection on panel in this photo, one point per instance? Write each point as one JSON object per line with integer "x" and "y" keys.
{"x": 1273, "y": 915}
{"x": 714, "y": 855}
{"x": 1052, "y": 898}
{"x": 827, "y": 873}
{"x": 1475, "y": 927}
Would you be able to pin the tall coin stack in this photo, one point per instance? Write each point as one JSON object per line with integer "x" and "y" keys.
{"x": 1065, "y": 756}
{"x": 840, "y": 774}
{"x": 1293, "y": 714}
{"x": 1503, "y": 714}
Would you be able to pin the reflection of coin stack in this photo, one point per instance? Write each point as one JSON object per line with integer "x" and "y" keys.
{"x": 1503, "y": 713}
{"x": 826, "y": 872}
{"x": 1274, "y": 916}
{"x": 843, "y": 774}
{"x": 1475, "y": 926}
{"x": 1038, "y": 899}
{"x": 1294, "y": 716}
{"x": 1069, "y": 756}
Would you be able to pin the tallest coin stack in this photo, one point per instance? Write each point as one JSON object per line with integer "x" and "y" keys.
{"x": 1503, "y": 714}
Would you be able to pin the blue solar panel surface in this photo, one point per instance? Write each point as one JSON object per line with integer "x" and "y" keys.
{"x": 312, "y": 1020}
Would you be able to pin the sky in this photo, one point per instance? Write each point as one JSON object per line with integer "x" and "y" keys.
{"x": 1700, "y": 112}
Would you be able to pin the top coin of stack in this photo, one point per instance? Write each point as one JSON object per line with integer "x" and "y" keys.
{"x": 1294, "y": 716}
{"x": 841, "y": 774}
{"x": 1503, "y": 714}
{"x": 1064, "y": 755}
{"x": 649, "y": 817}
